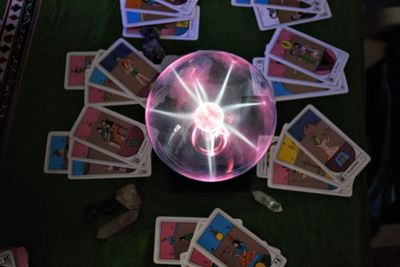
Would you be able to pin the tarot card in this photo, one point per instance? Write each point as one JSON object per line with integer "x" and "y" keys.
{"x": 241, "y": 3}
{"x": 82, "y": 152}
{"x": 113, "y": 134}
{"x": 56, "y": 159}
{"x": 80, "y": 170}
{"x": 326, "y": 144}
{"x": 228, "y": 243}
{"x": 98, "y": 97}
{"x": 291, "y": 89}
{"x": 289, "y": 154}
{"x": 268, "y": 18}
{"x": 263, "y": 164}
{"x": 75, "y": 65}
{"x": 129, "y": 69}
{"x": 309, "y": 6}
{"x": 7, "y": 259}
{"x": 136, "y": 19}
{"x": 181, "y": 30}
{"x": 145, "y": 6}
{"x": 307, "y": 54}
{"x": 182, "y": 6}
{"x": 282, "y": 177}
{"x": 172, "y": 237}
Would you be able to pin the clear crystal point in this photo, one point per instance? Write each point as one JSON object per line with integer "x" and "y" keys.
{"x": 267, "y": 201}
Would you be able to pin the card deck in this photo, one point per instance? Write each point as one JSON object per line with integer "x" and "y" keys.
{"x": 75, "y": 65}
{"x": 56, "y": 159}
{"x": 310, "y": 6}
{"x": 291, "y": 89}
{"x": 182, "y": 6}
{"x": 282, "y": 177}
{"x": 263, "y": 164}
{"x": 268, "y": 18}
{"x": 181, "y": 30}
{"x": 228, "y": 243}
{"x": 307, "y": 54}
{"x": 113, "y": 134}
{"x": 325, "y": 143}
{"x": 129, "y": 69}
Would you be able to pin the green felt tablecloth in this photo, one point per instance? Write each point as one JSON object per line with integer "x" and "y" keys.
{"x": 43, "y": 212}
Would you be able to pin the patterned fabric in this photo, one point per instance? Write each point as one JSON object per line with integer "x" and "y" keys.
{"x": 15, "y": 35}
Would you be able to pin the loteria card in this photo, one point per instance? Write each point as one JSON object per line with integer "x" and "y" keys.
{"x": 80, "y": 170}
{"x": 182, "y": 6}
{"x": 228, "y": 243}
{"x": 268, "y": 18}
{"x": 136, "y": 19}
{"x": 172, "y": 237}
{"x": 180, "y": 30}
{"x": 129, "y": 69}
{"x": 113, "y": 134}
{"x": 289, "y": 154}
{"x": 263, "y": 164}
{"x": 282, "y": 177}
{"x": 81, "y": 152}
{"x": 307, "y": 54}
{"x": 145, "y": 6}
{"x": 292, "y": 89}
{"x": 308, "y": 6}
{"x": 97, "y": 97}
{"x": 56, "y": 159}
{"x": 326, "y": 144}
{"x": 75, "y": 65}
{"x": 7, "y": 259}
{"x": 241, "y": 3}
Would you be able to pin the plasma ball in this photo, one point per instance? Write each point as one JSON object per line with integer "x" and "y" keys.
{"x": 209, "y": 117}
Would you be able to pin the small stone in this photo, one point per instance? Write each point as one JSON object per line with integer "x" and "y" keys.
{"x": 117, "y": 224}
{"x": 129, "y": 197}
{"x": 153, "y": 51}
{"x": 91, "y": 213}
{"x": 267, "y": 201}
{"x": 150, "y": 33}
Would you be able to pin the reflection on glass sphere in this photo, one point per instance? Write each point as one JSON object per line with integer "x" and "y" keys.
{"x": 210, "y": 116}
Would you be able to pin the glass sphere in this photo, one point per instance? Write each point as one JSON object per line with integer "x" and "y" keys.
{"x": 210, "y": 116}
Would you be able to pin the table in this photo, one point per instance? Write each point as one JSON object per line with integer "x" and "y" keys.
{"x": 44, "y": 212}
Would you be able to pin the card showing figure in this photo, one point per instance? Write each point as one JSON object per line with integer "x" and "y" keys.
{"x": 182, "y": 6}
{"x": 98, "y": 97}
{"x": 263, "y": 164}
{"x": 311, "y": 6}
{"x": 129, "y": 69}
{"x": 228, "y": 243}
{"x": 181, "y": 30}
{"x": 75, "y": 65}
{"x": 327, "y": 144}
{"x": 307, "y": 54}
{"x": 268, "y": 18}
{"x": 282, "y": 177}
{"x": 137, "y": 19}
{"x": 56, "y": 159}
{"x": 145, "y": 6}
{"x": 113, "y": 134}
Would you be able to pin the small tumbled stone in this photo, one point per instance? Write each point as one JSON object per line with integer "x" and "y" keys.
{"x": 129, "y": 197}
{"x": 117, "y": 224}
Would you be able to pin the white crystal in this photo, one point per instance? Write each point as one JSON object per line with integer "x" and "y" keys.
{"x": 267, "y": 201}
